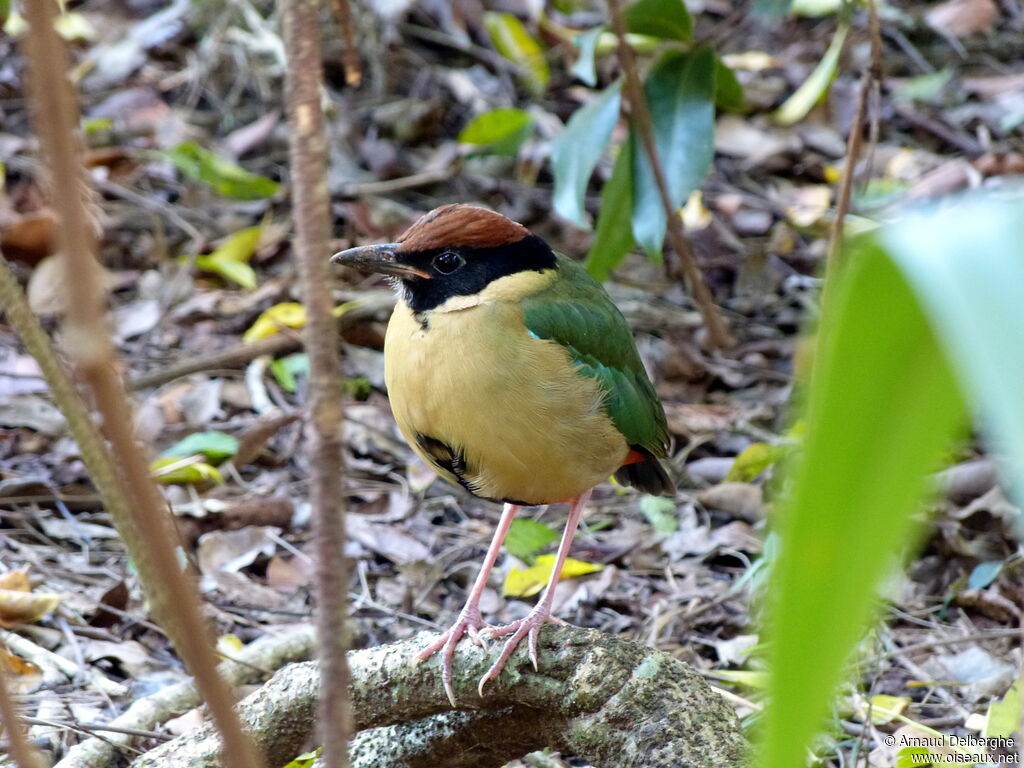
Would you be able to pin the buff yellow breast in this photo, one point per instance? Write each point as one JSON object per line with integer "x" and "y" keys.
{"x": 526, "y": 425}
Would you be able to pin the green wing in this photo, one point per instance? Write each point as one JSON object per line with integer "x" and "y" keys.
{"x": 577, "y": 313}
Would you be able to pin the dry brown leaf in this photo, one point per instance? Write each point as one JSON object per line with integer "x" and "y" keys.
{"x": 960, "y": 18}
{"x": 15, "y": 665}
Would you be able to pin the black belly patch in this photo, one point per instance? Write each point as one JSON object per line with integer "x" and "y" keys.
{"x": 446, "y": 458}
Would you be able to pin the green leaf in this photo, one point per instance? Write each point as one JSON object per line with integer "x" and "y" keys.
{"x": 512, "y": 40}
{"x": 815, "y": 8}
{"x": 222, "y": 174}
{"x": 527, "y": 538}
{"x": 502, "y": 131}
{"x": 882, "y": 404}
{"x": 771, "y": 8}
{"x": 230, "y": 259}
{"x": 728, "y": 91}
{"x": 214, "y": 445}
{"x": 614, "y": 237}
{"x": 305, "y": 760}
{"x": 680, "y": 90}
{"x": 755, "y": 459}
{"x": 584, "y": 68}
{"x": 984, "y": 574}
{"x": 660, "y": 513}
{"x": 576, "y": 151}
{"x": 814, "y": 88}
{"x": 287, "y": 369}
{"x": 665, "y": 19}
{"x": 965, "y": 260}
{"x": 188, "y": 471}
{"x": 1003, "y": 715}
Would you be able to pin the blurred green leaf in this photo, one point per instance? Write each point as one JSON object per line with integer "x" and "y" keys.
{"x": 231, "y": 259}
{"x": 222, "y": 174}
{"x": 814, "y": 88}
{"x": 771, "y": 8}
{"x": 577, "y": 149}
{"x": 527, "y": 538}
{"x": 1003, "y": 715}
{"x": 814, "y": 8}
{"x": 680, "y": 90}
{"x": 512, "y": 40}
{"x": 925, "y": 88}
{"x": 288, "y": 368}
{"x": 728, "y": 91}
{"x": 614, "y": 236}
{"x": 305, "y": 760}
{"x": 984, "y": 574}
{"x": 357, "y": 387}
{"x": 584, "y": 67}
{"x": 941, "y": 285}
{"x": 214, "y": 445}
{"x": 666, "y": 19}
{"x": 184, "y": 471}
{"x": 660, "y": 513}
{"x": 755, "y": 459}
{"x": 501, "y": 131}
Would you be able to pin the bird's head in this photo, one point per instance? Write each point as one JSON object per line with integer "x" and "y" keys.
{"x": 455, "y": 250}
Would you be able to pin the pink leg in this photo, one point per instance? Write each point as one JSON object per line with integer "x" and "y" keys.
{"x": 469, "y": 620}
{"x": 530, "y": 625}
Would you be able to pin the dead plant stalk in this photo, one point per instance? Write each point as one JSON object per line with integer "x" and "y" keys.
{"x": 174, "y": 597}
{"x": 310, "y": 203}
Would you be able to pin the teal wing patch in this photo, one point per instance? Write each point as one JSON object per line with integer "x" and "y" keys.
{"x": 578, "y": 314}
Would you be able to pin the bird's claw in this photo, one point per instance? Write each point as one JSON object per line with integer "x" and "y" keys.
{"x": 469, "y": 623}
{"x": 528, "y": 627}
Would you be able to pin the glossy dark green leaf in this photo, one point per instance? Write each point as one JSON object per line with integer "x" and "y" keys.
{"x": 667, "y": 19}
{"x": 223, "y": 175}
{"x": 501, "y": 131}
{"x": 614, "y": 236}
{"x": 728, "y": 91}
{"x": 584, "y": 68}
{"x": 681, "y": 93}
{"x": 576, "y": 151}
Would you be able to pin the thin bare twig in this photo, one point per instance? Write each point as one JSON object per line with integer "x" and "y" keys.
{"x": 173, "y": 596}
{"x": 311, "y": 207}
{"x": 23, "y": 754}
{"x": 353, "y": 72}
{"x": 718, "y": 331}
{"x": 869, "y": 80}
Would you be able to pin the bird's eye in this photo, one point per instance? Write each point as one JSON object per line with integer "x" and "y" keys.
{"x": 448, "y": 262}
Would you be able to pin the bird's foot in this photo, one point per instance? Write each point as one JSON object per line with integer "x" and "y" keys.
{"x": 529, "y": 627}
{"x": 469, "y": 623}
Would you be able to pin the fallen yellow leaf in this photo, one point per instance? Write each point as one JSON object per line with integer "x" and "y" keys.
{"x": 524, "y": 582}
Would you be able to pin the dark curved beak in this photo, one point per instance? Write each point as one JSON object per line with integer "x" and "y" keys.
{"x": 378, "y": 258}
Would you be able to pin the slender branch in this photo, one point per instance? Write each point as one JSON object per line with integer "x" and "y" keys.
{"x": 353, "y": 73}
{"x": 311, "y": 208}
{"x": 18, "y": 747}
{"x": 871, "y": 77}
{"x": 610, "y": 701}
{"x": 173, "y": 596}
{"x": 718, "y": 331}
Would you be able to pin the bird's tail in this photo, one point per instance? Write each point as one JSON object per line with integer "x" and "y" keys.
{"x": 647, "y": 474}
